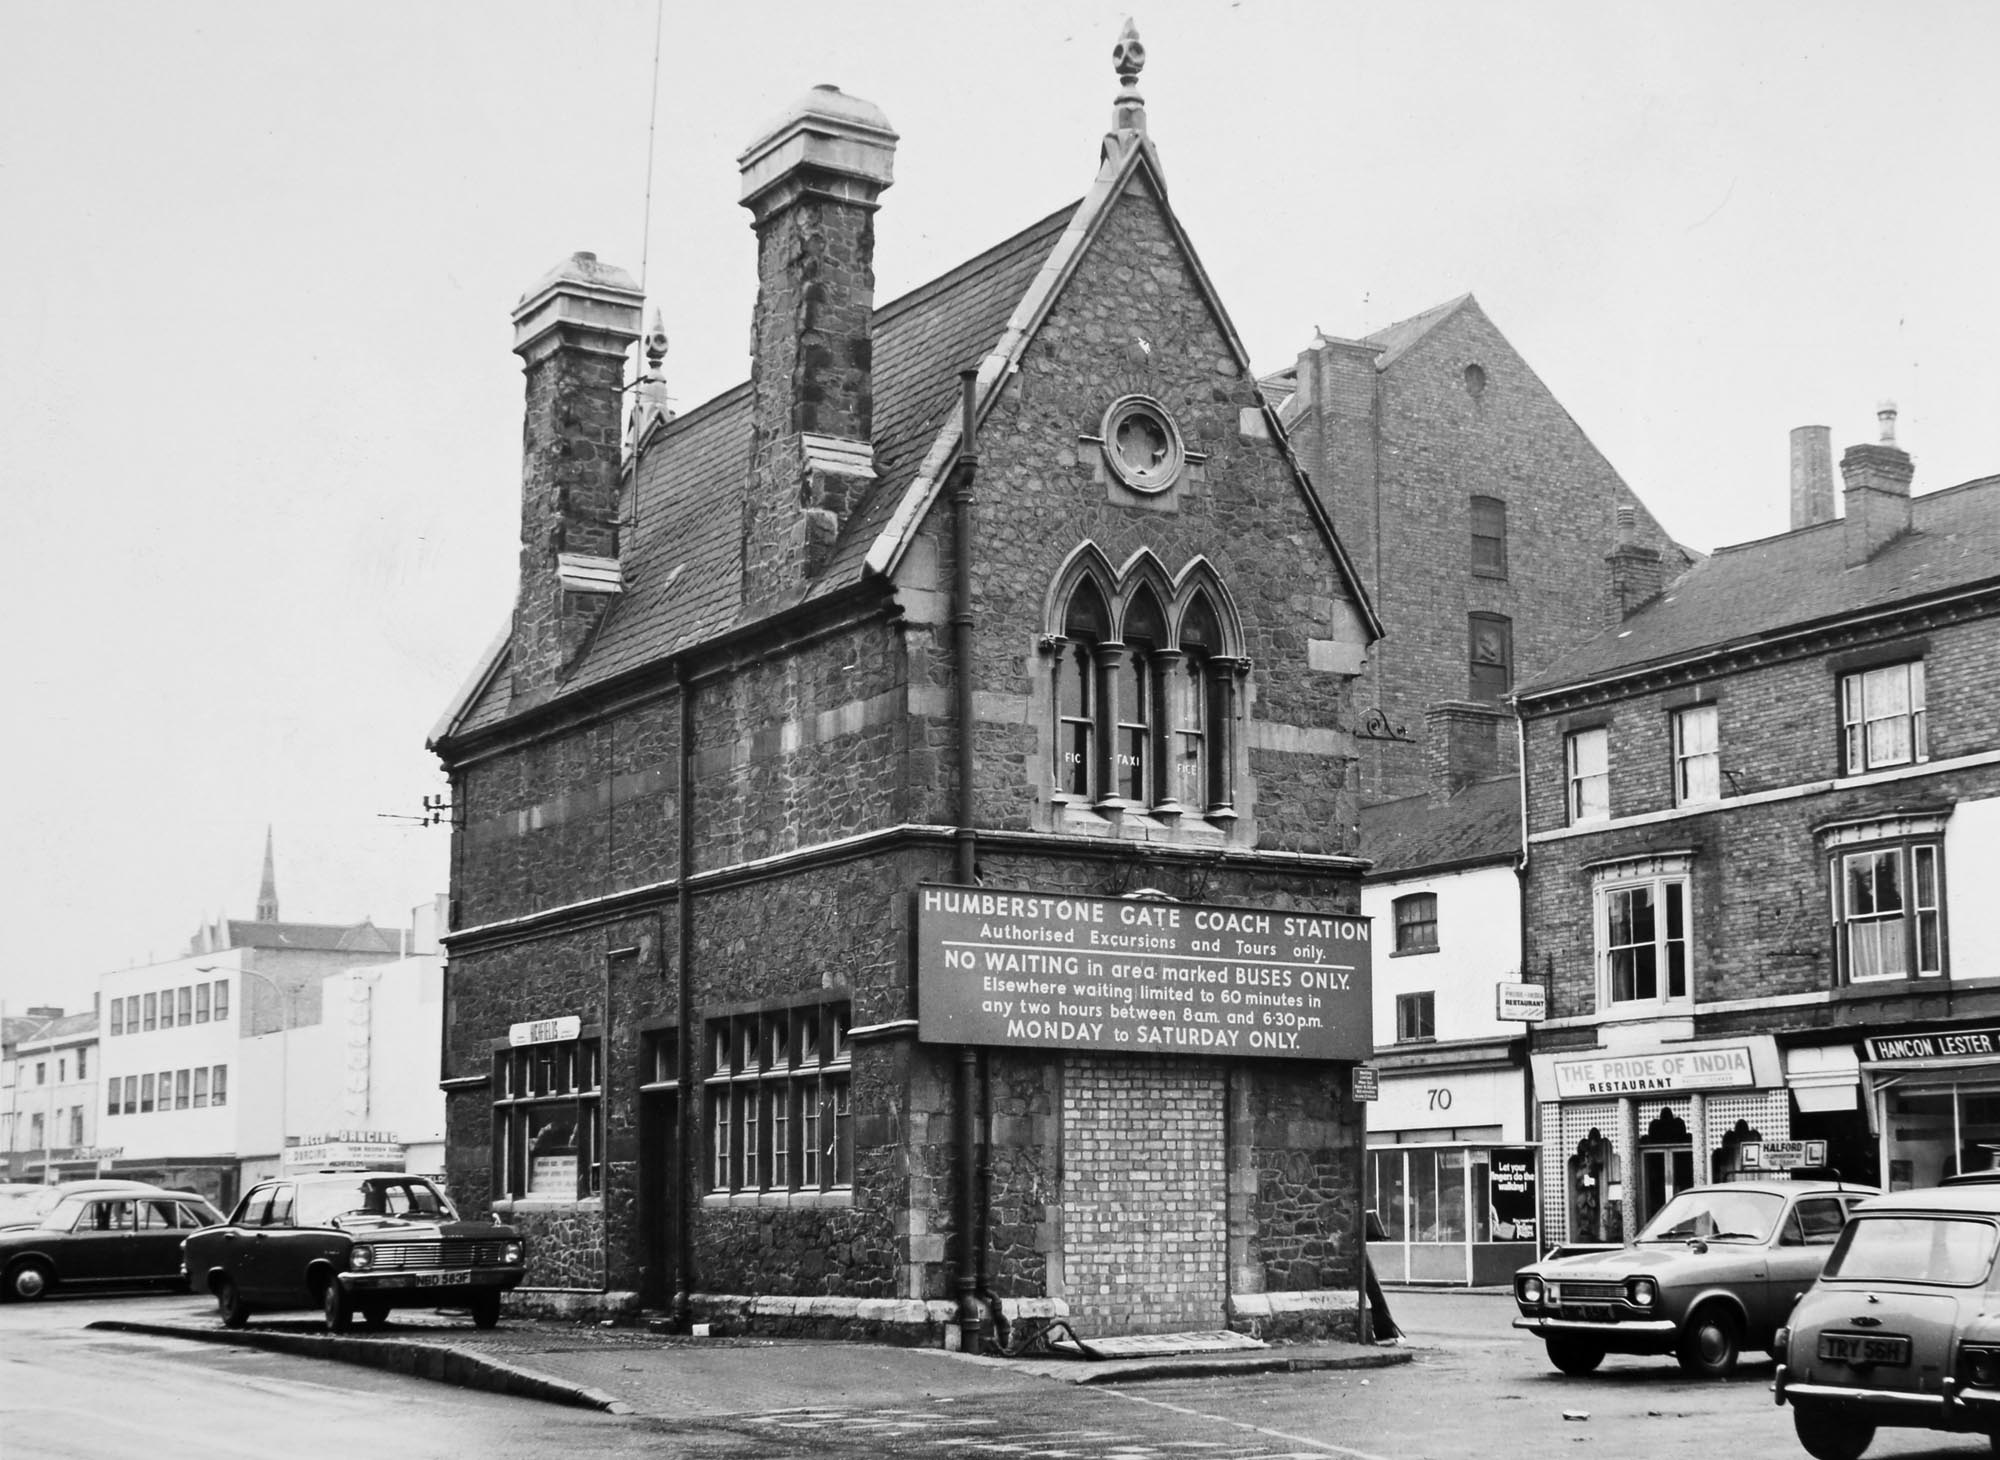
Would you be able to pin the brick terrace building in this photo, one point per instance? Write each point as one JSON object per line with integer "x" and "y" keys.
{"x": 804, "y": 657}
{"x": 1477, "y": 513}
{"x": 1764, "y": 816}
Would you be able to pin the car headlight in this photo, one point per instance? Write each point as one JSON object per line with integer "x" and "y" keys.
{"x": 511, "y": 1253}
{"x": 362, "y": 1257}
{"x": 1642, "y": 1292}
{"x": 1980, "y": 1364}
{"x": 1532, "y": 1291}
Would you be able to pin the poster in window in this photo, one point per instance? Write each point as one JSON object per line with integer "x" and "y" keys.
{"x": 1511, "y": 1194}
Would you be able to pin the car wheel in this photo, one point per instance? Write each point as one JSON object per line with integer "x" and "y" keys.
{"x": 1711, "y": 1342}
{"x": 29, "y": 1281}
{"x": 375, "y": 1315}
{"x": 486, "y": 1310}
{"x": 1575, "y": 1355}
{"x": 339, "y": 1311}
{"x": 229, "y": 1304}
{"x": 1829, "y": 1434}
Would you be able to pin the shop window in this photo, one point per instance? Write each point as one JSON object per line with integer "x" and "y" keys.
{"x": 547, "y": 1106}
{"x": 1416, "y": 1017}
{"x": 1641, "y": 920}
{"x": 1587, "y": 754}
{"x": 1888, "y": 911}
{"x": 1489, "y": 537}
{"x": 1417, "y": 923}
{"x": 1491, "y": 640}
{"x": 1882, "y": 717}
{"x": 778, "y": 1094}
{"x": 1697, "y": 758}
{"x": 1143, "y": 695}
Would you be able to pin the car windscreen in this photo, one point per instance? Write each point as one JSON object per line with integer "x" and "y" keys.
{"x": 1950, "y": 1251}
{"x": 1715, "y": 1216}
{"x": 321, "y": 1202}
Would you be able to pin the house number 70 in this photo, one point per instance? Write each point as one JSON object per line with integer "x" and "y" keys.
{"x": 1440, "y": 1099}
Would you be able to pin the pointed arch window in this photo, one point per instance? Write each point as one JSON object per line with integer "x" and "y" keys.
{"x": 1086, "y": 626}
{"x": 1143, "y": 699}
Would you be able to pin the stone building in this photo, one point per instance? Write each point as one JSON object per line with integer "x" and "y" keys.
{"x": 903, "y": 860}
{"x": 1763, "y": 815}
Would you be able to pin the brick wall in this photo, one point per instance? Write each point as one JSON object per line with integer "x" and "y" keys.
{"x": 1144, "y": 1195}
{"x": 1758, "y": 875}
{"x": 1440, "y": 442}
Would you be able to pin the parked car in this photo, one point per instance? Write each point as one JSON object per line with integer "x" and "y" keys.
{"x": 96, "y": 1234}
{"x": 1903, "y": 1327}
{"x": 1714, "y": 1272}
{"x": 352, "y": 1242}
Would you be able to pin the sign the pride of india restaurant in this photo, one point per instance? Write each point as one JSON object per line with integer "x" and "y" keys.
{"x": 1140, "y": 975}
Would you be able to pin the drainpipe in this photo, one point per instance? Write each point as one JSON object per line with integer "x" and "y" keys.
{"x": 683, "y": 1309}
{"x": 970, "y": 1249}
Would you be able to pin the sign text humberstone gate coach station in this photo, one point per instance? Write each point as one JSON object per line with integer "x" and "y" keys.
{"x": 1140, "y": 976}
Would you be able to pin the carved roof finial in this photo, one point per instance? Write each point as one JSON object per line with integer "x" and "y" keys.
{"x": 1128, "y": 113}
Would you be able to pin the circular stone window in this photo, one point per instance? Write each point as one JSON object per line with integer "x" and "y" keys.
{"x": 1142, "y": 444}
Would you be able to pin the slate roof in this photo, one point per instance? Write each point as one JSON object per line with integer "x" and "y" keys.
{"x": 682, "y": 558}
{"x": 1480, "y": 824}
{"x": 53, "y": 1031}
{"x": 1778, "y": 586}
{"x": 362, "y": 937}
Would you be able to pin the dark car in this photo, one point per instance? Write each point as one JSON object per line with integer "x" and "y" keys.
{"x": 1903, "y": 1327}
{"x": 1714, "y": 1272}
{"x": 352, "y": 1242}
{"x": 96, "y": 1234}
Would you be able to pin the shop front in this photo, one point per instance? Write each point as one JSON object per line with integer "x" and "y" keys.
{"x": 1623, "y": 1131}
{"x": 1934, "y": 1102}
{"x": 1451, "y": 1172}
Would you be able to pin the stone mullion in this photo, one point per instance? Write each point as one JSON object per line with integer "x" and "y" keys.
{"x": 1107, "y": 664}
{"x": 1163, "y": 665}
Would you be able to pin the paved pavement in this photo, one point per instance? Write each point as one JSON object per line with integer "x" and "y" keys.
{"x": 634, "y": 1371}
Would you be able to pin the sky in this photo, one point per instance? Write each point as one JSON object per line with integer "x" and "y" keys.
{"x": 260, "y": 419}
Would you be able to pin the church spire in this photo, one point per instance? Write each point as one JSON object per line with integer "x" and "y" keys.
{"x": 267, "y": 894}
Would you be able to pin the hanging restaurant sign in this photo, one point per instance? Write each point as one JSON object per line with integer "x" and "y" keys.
{"x": 1142, "y": 976}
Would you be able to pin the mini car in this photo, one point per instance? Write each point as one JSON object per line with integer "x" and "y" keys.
{"x": 350, "y": 1242}
{"x": 94, "y": 1235}
{"x": 1714, "y": 1272}
{"x": 1903, "y": 1326}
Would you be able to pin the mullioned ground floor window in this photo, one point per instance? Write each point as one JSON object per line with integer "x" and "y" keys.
{"x": 547, "y": 1108}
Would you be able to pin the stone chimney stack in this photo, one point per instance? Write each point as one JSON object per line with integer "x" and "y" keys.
{"x": 1877, "y": 499}
{"x": 1461, "y": 745}
{"x": 811, "y": 183}
{"x": 1636, "y": 576}
{"x": 1812, "y": 476}
{"x": 571, "y": 331}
